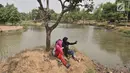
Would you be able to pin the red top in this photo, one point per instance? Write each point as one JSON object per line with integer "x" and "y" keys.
{"x": 58, "y": 48}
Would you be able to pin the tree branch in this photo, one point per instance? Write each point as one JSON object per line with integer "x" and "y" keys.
{"x": 41, "y": 6}
{"x": 62, "y": 5}
{"x": 64, "y": 2}
{"x": 80, "y": 5}
{"x": 69, "y": 7}
{"x": 58, "y": 20}
{"x": 44, "y": 14}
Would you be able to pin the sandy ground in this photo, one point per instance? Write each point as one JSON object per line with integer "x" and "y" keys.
{"x": 39, "y": 61}
{"x": 6, "y": 28}
{"x": 123, "y": 28}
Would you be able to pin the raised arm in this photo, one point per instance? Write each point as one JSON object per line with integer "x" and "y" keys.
{"x": 72, "y": 43}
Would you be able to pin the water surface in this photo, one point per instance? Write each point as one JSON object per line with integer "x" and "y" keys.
{"x": 104, "y": 46}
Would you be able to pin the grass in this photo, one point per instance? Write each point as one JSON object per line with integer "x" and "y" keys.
{"x": 124, "y": 30}
{"x": 25, "y": 24}
{"x": 127, "y": 33}
{"x": 90, "y": 71}
{"x": 30, "y": 23}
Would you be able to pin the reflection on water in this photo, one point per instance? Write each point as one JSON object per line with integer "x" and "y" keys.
{"x": 101, "y": 45}
{"x": 115, "y": 44}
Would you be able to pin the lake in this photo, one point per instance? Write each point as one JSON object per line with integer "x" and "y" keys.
{"x": 104, "y": 46}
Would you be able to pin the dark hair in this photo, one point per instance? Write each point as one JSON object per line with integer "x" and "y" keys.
{"x": 65, "y": 39}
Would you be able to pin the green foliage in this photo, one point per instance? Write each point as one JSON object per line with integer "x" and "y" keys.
{"x": 3, "y": 15}
{"x": 98, "y": 13}
{"x": 9, "y": 13}
{"x": 13, "y": 13}
{"x": 86, "y": 15}
{"x": 127, "y": 4}
{"x": 72, "y": 16}
{"x": 108, "y": 11}
{"x": 14, "y": 17}
{"x": 25, "y": 16}
{"x": 124, "y": 1}
{"x": 1, "y": 6}
{"x": 35, "y": 14}
{"x": 127, "y": 31}
{"x": 53, "y": 15}
{"x": 76, "y": 15}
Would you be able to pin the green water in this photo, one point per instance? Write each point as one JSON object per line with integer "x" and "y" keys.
{"x": 104, "y": 46}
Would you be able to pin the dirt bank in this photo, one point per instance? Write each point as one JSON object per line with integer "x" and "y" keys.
{"x": 39, "y": 61}
{"x": 7, "y": 28}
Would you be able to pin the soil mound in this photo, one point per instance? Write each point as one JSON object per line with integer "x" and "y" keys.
{"x": 39, "y": 61}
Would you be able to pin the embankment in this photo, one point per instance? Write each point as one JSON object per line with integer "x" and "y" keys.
{"x": 4, "y": 30}
{"x": 40, "y": 61}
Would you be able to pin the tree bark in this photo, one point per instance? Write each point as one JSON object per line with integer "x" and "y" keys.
{"x": 48, "y": 39}
{"x": 46, "y": 18}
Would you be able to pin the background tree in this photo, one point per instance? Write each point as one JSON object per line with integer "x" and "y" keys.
{"x": 3, "y": 15}
{"x": 127, "y": 10}
{"x": 14, "y": 17}
{"x": 53, "y": 14}
{"x": 25, "y": 16}
{"x": 108, "y": 12}
{"x": 13, "y": 14}
{"x": 66, "y": 6}
{"x": 85, "y": 15}
{"x": 9, "y": 13}
{"x": 35, "y": 14}
{"x": 1, "y": 6}
{"x": 98, "y": 13}
{"x": 76, "y": 15}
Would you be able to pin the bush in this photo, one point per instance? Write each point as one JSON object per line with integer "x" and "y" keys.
{"x": 127, "y": 32}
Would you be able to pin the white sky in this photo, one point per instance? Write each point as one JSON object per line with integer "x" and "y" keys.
{"x": 28, "y": 5}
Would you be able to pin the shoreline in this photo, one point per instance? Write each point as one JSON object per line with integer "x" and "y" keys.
{"x": 95, "y": 67}
{"x": 40, "y": 61}
{"x": 120, "y": 28}
{"x": 5, "y": 30}
{"x": 9, "y": 28}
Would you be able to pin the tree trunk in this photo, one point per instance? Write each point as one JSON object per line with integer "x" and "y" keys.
{"x": 48, "y": 39}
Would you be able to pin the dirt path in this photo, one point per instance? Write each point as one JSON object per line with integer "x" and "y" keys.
{"x": 6, "y": 28}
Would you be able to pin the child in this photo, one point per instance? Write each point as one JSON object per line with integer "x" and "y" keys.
{"x": 66, "y": 49}
{"x": 59, "y": 53}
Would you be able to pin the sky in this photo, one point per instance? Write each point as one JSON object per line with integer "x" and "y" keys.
{"x": 28, "y": 5}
